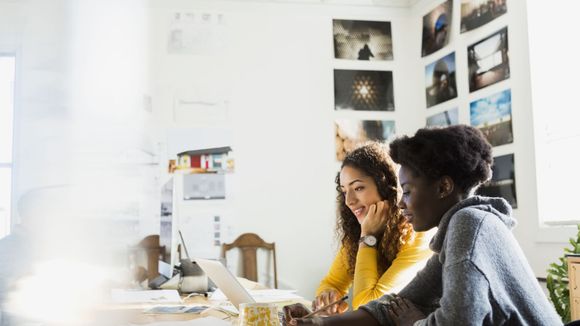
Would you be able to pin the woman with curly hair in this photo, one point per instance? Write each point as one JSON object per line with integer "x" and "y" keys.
{"x": 478, "y": 274}
{"x": 379, "y": 251}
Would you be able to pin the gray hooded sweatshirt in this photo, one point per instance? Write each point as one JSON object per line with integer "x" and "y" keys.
{"x": 478, "y": 274}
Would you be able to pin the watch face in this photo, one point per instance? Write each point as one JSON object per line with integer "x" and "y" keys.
{"x": 370, "y": 240}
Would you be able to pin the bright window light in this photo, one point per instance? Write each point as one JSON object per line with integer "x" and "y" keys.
{"x": 7, "y": 75}
{"x": 555, "y": 77}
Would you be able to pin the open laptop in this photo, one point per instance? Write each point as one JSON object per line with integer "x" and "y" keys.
{"x": 225, "y": 281}
{"x": 229, "y": 284}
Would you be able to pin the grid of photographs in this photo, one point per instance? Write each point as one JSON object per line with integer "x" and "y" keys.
{"x": 440, "y": 83}
{"x": 487, "y": 64}
{"x": 362, "y": 40}
{"x": 475, "y": 13}
{"x": 436, "y": 26}
{"x": 493, "y": 116}
{"x": 444, "y": 119}
{"x": 363, "y": 90}
{"x": 503, "y": 180}
{"x": 488, "y": 60}
{"x": 349, "y": 133}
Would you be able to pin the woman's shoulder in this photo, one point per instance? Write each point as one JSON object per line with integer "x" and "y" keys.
{"x": 420, "y": 239}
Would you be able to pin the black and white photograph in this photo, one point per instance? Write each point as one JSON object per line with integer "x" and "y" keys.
{"x": 493, "y": 116}
{"x": 362, "y": 40}
{"x": 351, "y": 132}
{"x": 444, "y": 119}
{"x": 488, "y": 60}
{"x": 363, "y": 90}
{"x": 440, "y": 85}
{"x": 436, "y": 28}
{"x": 475, "y": 13}
{"x": 503, "y": 180}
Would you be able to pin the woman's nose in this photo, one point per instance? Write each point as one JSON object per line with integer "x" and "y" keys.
{"x": 350, "y": 198}
{"x": 401, "y": 204}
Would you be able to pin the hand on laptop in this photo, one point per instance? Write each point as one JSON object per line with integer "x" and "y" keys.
{"x": 293, "y": 314}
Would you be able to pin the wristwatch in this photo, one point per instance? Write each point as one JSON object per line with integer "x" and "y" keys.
{"x": 369, "y": 240}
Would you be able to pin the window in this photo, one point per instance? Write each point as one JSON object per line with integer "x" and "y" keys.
{"x": 555, "y": 77}
{"x": 7, "y": 74}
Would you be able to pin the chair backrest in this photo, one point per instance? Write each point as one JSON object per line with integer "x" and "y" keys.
{"x": 249, "y": 243}
{"x": 155, "y": 252}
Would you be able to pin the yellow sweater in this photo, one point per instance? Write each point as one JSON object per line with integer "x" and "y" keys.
{"x": 368, "y": 284}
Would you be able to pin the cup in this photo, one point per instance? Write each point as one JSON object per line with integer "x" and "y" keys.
{"x": 258, "y": 314}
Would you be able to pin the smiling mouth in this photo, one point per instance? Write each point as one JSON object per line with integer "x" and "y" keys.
{"x": 358, "y": 212}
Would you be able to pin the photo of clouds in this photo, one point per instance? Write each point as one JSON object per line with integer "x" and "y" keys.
{"x": 493, "y": 116}
{"x": 503, "y": 180}
{"x": 488, "y": 60}
{"x": 436, "y": 28}
{"x": 362, "y": 40}
{"x": 444, "y": 119}
{"x": 363, "y": 90}
{"x": 440, "y": 80}
{"x": 475, "y": 13}
{"x": 350, "y": 132}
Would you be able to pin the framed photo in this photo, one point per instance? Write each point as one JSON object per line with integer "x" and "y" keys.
{"x": 503, "y": 181}
{"x": 363, "y": 90}
{"x": 362, "y": 40}
{"x": 349, "y": 133}
{"x": 436, "y": 28}
{"x": 493, "y": 116}
{"x": 444, "y": 119}
{"x": 488, "y": 60}
{"x": 440, "y": 83}
{"x": 475, "y": 13}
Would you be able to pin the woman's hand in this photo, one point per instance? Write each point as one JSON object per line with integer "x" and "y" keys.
{"x": 376, "y": 219}
{"x": 326, "y": 297}
{"x": 403, "y": 312}
{"x": 293, "y": 315}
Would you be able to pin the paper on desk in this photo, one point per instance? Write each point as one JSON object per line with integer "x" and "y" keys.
{"x": 269, "y": 295}
{"x": 147, "y": 296}
{"x": 206, "y": 321}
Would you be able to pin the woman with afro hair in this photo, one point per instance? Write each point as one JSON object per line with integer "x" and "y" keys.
{"x": 379, "y": 252}
{"x": 478, "y": 274}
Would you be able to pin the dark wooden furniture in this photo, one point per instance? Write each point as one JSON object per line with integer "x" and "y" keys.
{"x": 248, "y": 244}
{"x": 154, "y": 252}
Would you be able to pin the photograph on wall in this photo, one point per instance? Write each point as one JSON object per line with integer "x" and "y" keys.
{"x": 351, "y": 132}
{"x": 440, "y": 80}
{"x": 488, "y": 60}
{"x": 493, "y": 116}
{"x": 475, "y": 13}
{"x": 444, "y": 119}
{"x": 362, "y": 40}
{"x": 503, "y": 180}
{"x": 363, "y": 90}
{"x": 436, "y": 28}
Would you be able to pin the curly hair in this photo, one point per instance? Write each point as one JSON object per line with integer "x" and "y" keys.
{"x": 373, "y": 160}
{"x": 460, "y": 152}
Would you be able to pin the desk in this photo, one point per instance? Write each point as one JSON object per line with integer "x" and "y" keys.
{"x": 134, "y": 313}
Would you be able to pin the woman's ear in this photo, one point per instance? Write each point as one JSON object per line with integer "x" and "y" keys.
{"x": 446, "y": 186}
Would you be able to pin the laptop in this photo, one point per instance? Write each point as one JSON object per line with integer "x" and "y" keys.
{"x": 225, "y": 281}
{"x": 229, "y": 284}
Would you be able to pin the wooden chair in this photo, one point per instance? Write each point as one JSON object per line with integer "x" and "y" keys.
{"x": 154, "y": 252}
{"x": 249, "y": 243}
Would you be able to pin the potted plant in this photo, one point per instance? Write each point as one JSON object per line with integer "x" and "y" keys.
{"x": 557, "y": 280}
